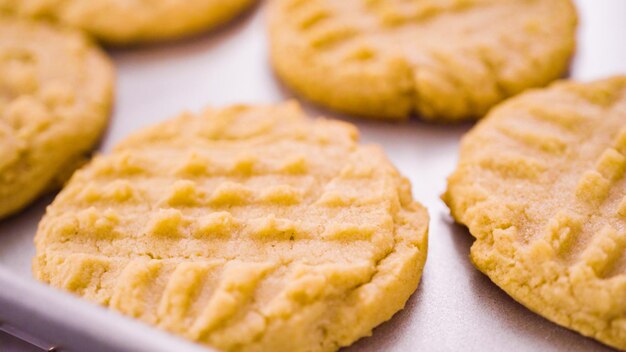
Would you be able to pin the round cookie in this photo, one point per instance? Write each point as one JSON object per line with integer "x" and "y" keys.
{"x": 540, "y": 184}
{"x": 444, "y": 60}
{"x": 246, "y": 228}
{"x": 55, "y": 96}
{"x": 131, "y": 21}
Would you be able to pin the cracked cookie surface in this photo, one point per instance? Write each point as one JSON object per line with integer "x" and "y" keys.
{"x": 443, "y": 60}
{"x": 131, "y": 21}
{"x": 245, "y": 228}
{"x": 55, "y": 96}
{"x": 540, "y": 184}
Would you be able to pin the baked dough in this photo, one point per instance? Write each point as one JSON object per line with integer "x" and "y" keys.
{"x": 540, "y": 184}
{"x": 131, "y": 21}
{"x": 441, "y": 59}
{"x": 245, "y": 228}
{"x": 55, "y": 97}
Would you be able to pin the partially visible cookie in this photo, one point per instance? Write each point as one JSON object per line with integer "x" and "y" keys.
{"x": 441, "y": 59}
{"x": 540, "y": 184}
{"x": 131, "y": 21}
{"x": 245, "y": 228}
{"x": 55, "y": 96}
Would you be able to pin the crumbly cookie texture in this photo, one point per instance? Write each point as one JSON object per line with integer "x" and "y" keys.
{"x": 441, "y": 59}
{"x": 55, "y": 95}
{"x": 540, "y": 184}
{"x": 247, "y": 229}
{"x": 131, "y": 21}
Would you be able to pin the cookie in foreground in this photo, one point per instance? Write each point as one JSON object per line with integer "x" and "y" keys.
{"x": 55, "y": 96}
{"x": 442, "y": 60}
{"x": 244, "y": 228}
{"x": 540, "y": 184}
{"x": 131, "y": 21}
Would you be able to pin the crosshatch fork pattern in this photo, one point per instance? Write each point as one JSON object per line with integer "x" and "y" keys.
{"x": 232, "y": 226}
{"x": 442, "y": 59}
{"x": 52, "y": 80}
{"x": 540, "y": 184}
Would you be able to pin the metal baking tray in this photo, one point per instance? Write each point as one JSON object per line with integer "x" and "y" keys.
{"x": 455, "y": 307}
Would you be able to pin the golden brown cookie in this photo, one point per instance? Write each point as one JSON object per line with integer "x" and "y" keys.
{"x": 55, "y": 97}
{"x": 245, "y": 228}
{"x": 441, "y": 59}
{"x": 540, "y": 184}
{"x": 131, "y": 21}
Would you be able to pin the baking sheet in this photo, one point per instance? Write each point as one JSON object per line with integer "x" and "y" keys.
{"x": 455, "y": 306}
